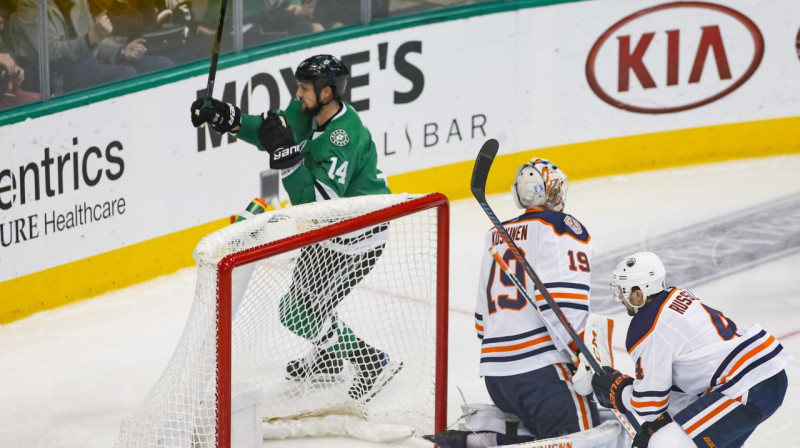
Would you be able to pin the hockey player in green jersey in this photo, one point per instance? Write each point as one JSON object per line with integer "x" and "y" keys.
{"x": 323, "y": 151}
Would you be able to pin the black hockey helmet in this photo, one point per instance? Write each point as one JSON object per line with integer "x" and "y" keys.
{"x": 322, "y": 71}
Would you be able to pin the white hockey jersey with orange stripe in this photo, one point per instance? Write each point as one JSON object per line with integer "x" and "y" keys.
{"x": 679, "y": 344}
{"x": 514, "y": 337}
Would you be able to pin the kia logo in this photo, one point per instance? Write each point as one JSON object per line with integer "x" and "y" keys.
{"x": 674, "y": 57}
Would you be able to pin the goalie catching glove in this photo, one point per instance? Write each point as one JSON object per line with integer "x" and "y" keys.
{"x": 223, "y": 117}
{"x": 277, "y": 138}
{"x": 608, "y": 385}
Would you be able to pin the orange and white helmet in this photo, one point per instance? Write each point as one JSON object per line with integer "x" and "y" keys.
{"x": 539, "y": 183}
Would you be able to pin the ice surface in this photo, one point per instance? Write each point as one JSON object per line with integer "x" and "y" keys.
{"x": 68, "y": 376}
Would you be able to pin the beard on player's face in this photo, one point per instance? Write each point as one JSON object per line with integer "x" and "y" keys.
{"x": 309, "y": 98}
{"x": 311, "y": 109}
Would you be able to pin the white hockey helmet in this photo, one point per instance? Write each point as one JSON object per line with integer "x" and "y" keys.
{"x": 539, "y": 183}
{"x": 643, "y": 270}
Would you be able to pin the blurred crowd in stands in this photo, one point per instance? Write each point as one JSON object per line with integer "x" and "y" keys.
{"x": 95, "y": 42}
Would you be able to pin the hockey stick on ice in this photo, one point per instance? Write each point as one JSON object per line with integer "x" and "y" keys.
{"x": 483, "y": 163}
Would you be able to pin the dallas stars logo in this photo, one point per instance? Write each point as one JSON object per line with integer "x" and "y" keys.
{"x": 339, "y": 137}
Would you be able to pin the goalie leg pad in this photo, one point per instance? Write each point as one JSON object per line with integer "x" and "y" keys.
{"x": 543, "y": 399}
{"x": 481, "y": 417}
{"x": 597, "y": 337}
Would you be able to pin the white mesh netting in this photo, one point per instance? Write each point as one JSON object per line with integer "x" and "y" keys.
{"x": 344, "y": 328}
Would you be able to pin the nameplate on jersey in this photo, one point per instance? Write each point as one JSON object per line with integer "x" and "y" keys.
{"x": 682, "y": 301}
{"x": 517, "y": 233}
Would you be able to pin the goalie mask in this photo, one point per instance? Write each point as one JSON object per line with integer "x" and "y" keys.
{"x": 539, "y": 183}
{"x": 642, "y": 270}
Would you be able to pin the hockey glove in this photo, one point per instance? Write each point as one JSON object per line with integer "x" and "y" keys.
{"x": 608, "y": 385}
{"x": 642, "y": 438}
{"x": 221, "y": 116}
{"x": 274, "y": 133}
{"x": 277, "y": 138}
{"x": 283, "y": 158}
{"x": 196, "y": 106}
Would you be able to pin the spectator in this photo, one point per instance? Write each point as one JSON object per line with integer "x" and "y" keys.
{"x": 334, "y": 14}
{"x": 284, "y": 18}
{"x": 329, "y": 14}
{"x": 128, "y": 17}
{"x": 168, "y": 26}
{"x": 12, "y": 74}
{"x": 83, "y": 52}
{"x": 177, "y": 32}
{"x": 264, "y": 21}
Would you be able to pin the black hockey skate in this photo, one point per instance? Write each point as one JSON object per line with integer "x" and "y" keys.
{"x": 373, "y": 370}
{"x": 319, "y": 366}
{"x": 449, "y": 439}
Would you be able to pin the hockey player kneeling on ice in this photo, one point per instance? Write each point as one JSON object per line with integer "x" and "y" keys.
{"x": 699, "y": 379}
{"x": 525, "y": 372}
{"x": 323, "y": 151}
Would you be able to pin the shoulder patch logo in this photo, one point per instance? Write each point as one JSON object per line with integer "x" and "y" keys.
{"x": 339, "y": 137}
{"x": 573, "y": 224}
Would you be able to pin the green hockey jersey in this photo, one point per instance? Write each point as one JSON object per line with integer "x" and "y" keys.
{"x": 339, "y": 161}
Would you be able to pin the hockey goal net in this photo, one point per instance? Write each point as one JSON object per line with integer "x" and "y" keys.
{"x": 324, "y": 318}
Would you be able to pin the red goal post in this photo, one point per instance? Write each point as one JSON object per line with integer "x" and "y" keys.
{"x": 238, "y": 342}
{"x": 226, "y": 266}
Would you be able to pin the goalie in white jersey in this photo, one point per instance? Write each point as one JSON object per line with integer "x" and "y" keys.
{"x": 525, "y": 372}
{"x": 696, "y": 372}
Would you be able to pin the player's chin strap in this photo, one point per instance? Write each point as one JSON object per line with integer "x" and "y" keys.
{"x": 480, "y": 173}
{"x": 635, "y": 308}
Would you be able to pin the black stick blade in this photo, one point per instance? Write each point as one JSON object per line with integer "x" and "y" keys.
{"x": 483, "y": 163}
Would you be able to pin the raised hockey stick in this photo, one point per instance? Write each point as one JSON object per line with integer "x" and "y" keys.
{"x": 212, "y": 70}
{"x": 480, "y": 172}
